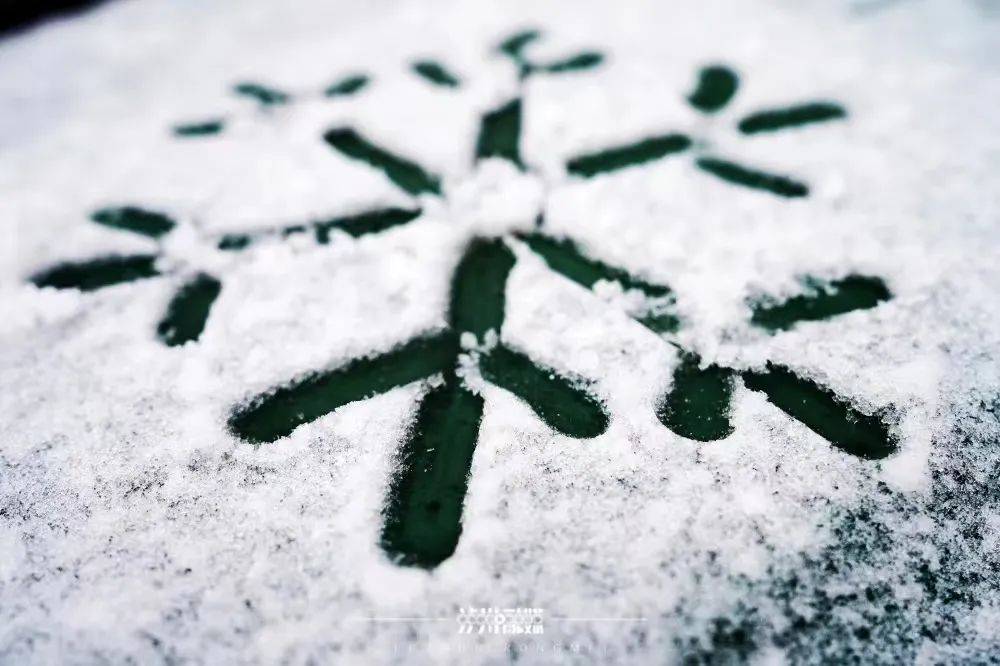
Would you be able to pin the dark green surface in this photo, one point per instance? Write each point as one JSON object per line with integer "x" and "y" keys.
{"x": 632, "y": 154}
{"x": 293, "y": 230}
{"x": 276, "y": 414}
{"x": 436, "y": 73}
{"x": 823, "y": 412}
{"x": 585, "y": 60}
{"x": 565, "y": 258}
{"x": 130, "y": 218}
{"x": 347, "y": 86}
{"x": 716, "y": 86}
{"x": 234, "y": 242}
{"x": 514, "y": 45}
{"x": 265, "y": 95}
{"x": 424, "y": 512}
{"x": 660, "y": 322}
{"x": 360, "y": 224}
{"x": 855, "y": 292}
{"x": 188, "y": 310}
{"x": 758, "y": 180}
{"x": 97, "y": 273}
{"x": 558, "y": 402}
{"x": 406, "y": 174}
{"x": 500, "y": 132}
{"x": 792, "y": 116}
{"x": 207, "y": 128}
{"x": 366, "y": 223}
{"x": 478, "y": 288}
{"x": 698, "y": 404}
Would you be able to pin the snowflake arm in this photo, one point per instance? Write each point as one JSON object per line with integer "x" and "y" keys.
{"x": 755, "y": 179}
{"x": 514, "y": 46}
{"x": 202, "y": 128}
{"x": 134, "y": 219}
{"x": 276, "y": 414}
{"x": 479, "y": 288}
{"x": 356, "y": 225}
{"x": 792, "y": 116}
{"x": 823, "y": 412}
{"x": 263, "y": 95}
{"x": 621, "y": 157}
{"x": 436, "y": 73}
{"x": 560, "y": 403}
{"x": 349, "y": 85}
{"x": 499, "y": 133}
{"x": 716, "y": 86}
{"x": 575, "y": 63}
{"x": 565, "y": 258}
{"x": 406, "y": 174}
{"x": 823, "y": 301}
{"x": 698, "y": 403}
{"x": 423, "y": 516}
{"x": 97, "y": 273}
{"x": 188, "y": 310}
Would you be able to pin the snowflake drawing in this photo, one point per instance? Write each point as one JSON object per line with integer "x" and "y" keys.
{"x": 423, "y": 514}
{"x": 188, "y": 309}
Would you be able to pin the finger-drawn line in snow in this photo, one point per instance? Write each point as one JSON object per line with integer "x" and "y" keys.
{"x": 422, "y": 520}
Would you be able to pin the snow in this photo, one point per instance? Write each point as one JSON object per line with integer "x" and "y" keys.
{"x": 134, "y": 526}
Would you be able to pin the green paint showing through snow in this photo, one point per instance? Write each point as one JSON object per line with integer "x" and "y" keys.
{"x": 698, "y": 404}
{"x": 234, "y": 242}
{"x": 97, "y": 273}
{"x": 404, "y": 173}
{"x": 478, "y": 288}
{"x": 137, "y": 220}
{"x": 633, "y": 154}
{"x": 562, "y": 256}
{"x": 369, "y": 222}
{"x": 436, "y": 73}
{"x": 581, "y": 61}
{"x": 423, "y": 517}
{"x": 514, "y": 45}
{"x": 206, "y": 128}
{"x": 263, "y": 94}
{"x": 357, "y": 225}
{"x": 558, "y": 402}
{"x": 823, "y": 412}
{"x": 758, "y": 180}
{"x": 347, "y": 86}
{"x": 500, "y": 132}
{"x": 716, "y": 86}
{"x": 276, "y": 414}
{"x": 792, "y": 116}
{"x": 188, "y": 310}
{"x": 824, "y": 300}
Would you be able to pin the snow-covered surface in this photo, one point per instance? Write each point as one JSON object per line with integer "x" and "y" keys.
{"x": 133, "y": 526}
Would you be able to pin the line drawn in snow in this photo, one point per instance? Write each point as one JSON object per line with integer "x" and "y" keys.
{"x": 423, "y": 512}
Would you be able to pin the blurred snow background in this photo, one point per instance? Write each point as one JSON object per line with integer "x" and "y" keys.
{"x": 133, "y": 527}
